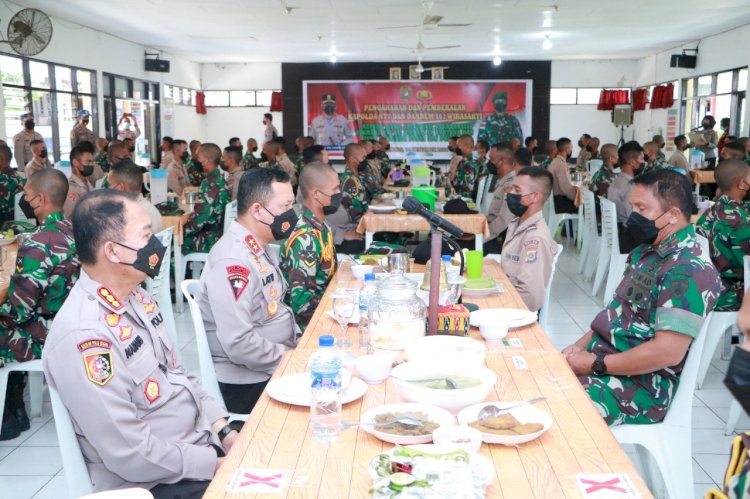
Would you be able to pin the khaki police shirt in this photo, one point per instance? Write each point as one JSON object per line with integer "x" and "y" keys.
{"x": 619, "y": 194}
{"x": 287, "y": 165}
{"x": 528, "y": 254}
{"x": 166, "y": 159}
{"x": 241, "y": 298}
{"x": 499, "y": 216}
{"x": 177, "y": 177}
{"x": 152, "y": 213}
{"x": 140, "y": 418}
{"x": 561, "y": 184}
{"x": 678, "y": 160}
{"x": 77, "y": 187}
{"x": 233, "y": 182}
{"x": 34, "y": 166}
{"x": 22, "y": 147}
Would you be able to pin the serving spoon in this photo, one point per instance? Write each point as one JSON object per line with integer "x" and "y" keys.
{"x": 490, "y": 411}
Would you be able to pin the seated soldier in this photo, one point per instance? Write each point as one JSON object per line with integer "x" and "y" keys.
{"x": 126, "y": 176}
{"x": 562, "y": 187}
{"x": 550, "y": 148}
{"x": 249, "y": 160}
{"x": 46, "y": 268}
{"x": 605, "y": 175}
{"x": 110, "y": 358}
{"x": 502, "y": 165}
{"x": 630, "y": 361}
{"x": 369, "y": 171}
{"x": 467, "y": 169}
{"x": 308, "y": 257}
{"x": 231, "y": 160}
{"x": 354, "y": 202}
{"x": 241, "y": 292}
{"x": 39, "y": 161}
{"x": 653, "y": 160}
{"x": 726, "y": 225}
{"x": 10, "y": 185}
{"x": 177, "y": 172}
{"x": 529, "y": 248}
{"x": 206, "y": 223}
{"x": 631, "y": 161}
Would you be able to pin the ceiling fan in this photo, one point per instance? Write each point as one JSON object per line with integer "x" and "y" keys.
{"x": 429, "y": 22}
{"x": 421, "y": 69}
{"x": 420, "y": 47}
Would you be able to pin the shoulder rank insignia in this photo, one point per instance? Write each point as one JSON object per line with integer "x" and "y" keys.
{"x": 253, "y": 244}
{"x": 109, "y": 297}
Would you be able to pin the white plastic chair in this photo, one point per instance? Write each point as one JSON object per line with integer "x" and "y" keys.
{"x": 76, "y": 474}
{"x": 609, "y": 248}
{"x": 180, "y": 267}
{"x": 670, "y": 442}
{"x": 735, "y": 409}
{"x": 589, "y": 255}
{"x": 555, "y": 219}
{"x": 36, "y": 383}
{"x": 230, "y": 214}
{"x": 581, "y": 232}
{"x": 545, "y": 308}
{"x": 209, "y": 382}
{"x": 158, "y": 287}
{"x": 594, "y": 165}
{"x": 481, "y": 186}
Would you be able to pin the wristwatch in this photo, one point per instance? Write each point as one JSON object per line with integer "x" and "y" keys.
{"x": 226, "y": 430}
{"x": 599, "y": 367}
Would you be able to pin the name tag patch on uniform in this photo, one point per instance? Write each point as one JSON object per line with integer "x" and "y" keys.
{"x": 514, "y": 258}
{"x": 99, "y": 369}
{"x": 112, "y": 319}
{"x": 134, "y": 346}
{"x": 268, "y": 279}
{"x": 151, "y": 390}
{"x": 126, "y": 332}
{"x": 94, "y": 343}
{"x": 109, "y": 297}
{"x": 237, "y": 277}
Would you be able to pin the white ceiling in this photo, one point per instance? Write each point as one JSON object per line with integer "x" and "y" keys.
{"x": 261, "y": 31}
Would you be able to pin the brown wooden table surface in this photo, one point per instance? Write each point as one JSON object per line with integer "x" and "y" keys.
{"x": 703, "y": 176}
{"x": 8, "y": 266}
{"x": 277, "y": 436}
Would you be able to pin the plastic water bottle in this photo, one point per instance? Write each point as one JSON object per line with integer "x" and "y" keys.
{"x": 325, "y": 406}
{"x": 365, "y": 295}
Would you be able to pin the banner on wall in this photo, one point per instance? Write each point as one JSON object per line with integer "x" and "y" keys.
{"x": 417, "y": 117}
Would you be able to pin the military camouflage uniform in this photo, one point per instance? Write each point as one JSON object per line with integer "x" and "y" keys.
{"x": 103, "y": 162}
{"x": 370, "y": 179}
{"x": 466, "y": 177}
{"x": 601, "y": 180}
{"x": 726, "y": 225}
{"x": 667, "y": 288}
{"x": 308, "y": 262}
{"x": 80, "y": 134}
{"x": 206, "y": 223}
{"x": 658, "y": 164}
{"x": 46, "y": 269}
{"x": 10, "y": 184}
{"x": 545, "y": 164}
{"x": 385, "y": 163}
{"x": 249, "y": 161}
{"x": 195, "y": 172}
{"x": 299, "y": 165}
{"x": 500, "y": 128}
{"x": 354, "y": 197}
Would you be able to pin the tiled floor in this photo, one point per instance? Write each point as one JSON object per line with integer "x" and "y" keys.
{"x": 30, "y": 466}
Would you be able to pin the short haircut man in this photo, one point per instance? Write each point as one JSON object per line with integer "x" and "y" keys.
{"x": 235, "y": 142}
{"x": 6, "y": 155}
{"x": 53, "y": 183}
{"x": 98, "y": 217}
{"x": 562, "y": 143}
{"x": 483, "y": 146}
{"x": 117, "y": 152}
{"x": 127, "y": 173}
{"x": 524, "y": 157}
{"x": 268, "y": 116}
{"x": 311, "y": 178}
{"x": 255, "y": 187}
{"x": 732, "y": 150}
{"x": 671, "y": 189}
{"x": 313, "y": 153}
{"x": 235, "y": 153}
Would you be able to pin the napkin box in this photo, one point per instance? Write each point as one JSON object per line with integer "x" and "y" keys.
{"x": 453, "y": 320}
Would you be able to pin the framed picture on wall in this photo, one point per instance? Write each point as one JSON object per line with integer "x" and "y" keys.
{"x": 413, "y": 73}
{"x": 394, "y": 73}
{"x": 437, "y": 73}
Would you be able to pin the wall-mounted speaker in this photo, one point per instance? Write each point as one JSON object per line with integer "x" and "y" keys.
{"x": 683, "y": 61}
{"x": 158, "y": 65}
{"x": 622, "y": 114}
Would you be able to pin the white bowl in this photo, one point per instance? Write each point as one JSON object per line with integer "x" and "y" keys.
{"x": 451, "y": 400}
{"x": 435, "y": 414}
{"x": 374, "y": 369}
{"x": 447, "y": 350}
{"x": 465, "y": 438}
{"x": 360, "y": 271}
{"x": 398, "y": 203}
{"x": 493, "y": 331}
{"x": 524, "y": 414}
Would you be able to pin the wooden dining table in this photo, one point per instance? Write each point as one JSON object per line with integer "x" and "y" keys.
{"x": 702, "y": 177}
{"x": 577, "y": 450}
{"x": 7, "y": 269}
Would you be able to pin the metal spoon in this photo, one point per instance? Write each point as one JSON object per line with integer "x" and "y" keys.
{"x": 490, "y": 411}
{"x": 450, "y": 382}
{"x": 406, "y": 421}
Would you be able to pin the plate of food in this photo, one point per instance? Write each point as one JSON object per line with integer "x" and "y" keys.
{"x": 383, "y": 208}
{"x": 517, "y": 426}
{"x": 430, "y": 471}
{"x": 512, "y": 317}
{"x": 389, "y": 430}
{"x": 294, "y": 389}
{"x": 387, "y": 195}
{"x": 7, "y": 237}
{"x": 481, "y": 287}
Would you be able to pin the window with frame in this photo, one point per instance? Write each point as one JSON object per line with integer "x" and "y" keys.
{"x": 721, "y": 95}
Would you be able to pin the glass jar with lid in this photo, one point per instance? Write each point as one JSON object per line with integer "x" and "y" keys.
{"x": 397, "y": 315}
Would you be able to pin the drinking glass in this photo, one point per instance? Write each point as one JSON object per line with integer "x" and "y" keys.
{"x": 343, "y": 310}
{"x": 398, "y": 262}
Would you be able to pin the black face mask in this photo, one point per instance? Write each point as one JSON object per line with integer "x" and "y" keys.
{"x": 589, "y": 149}
{"x": 514, "y": 203}
{"x": 500, "y": 107}
{"x": 372, "y": 155}
{"x": 44, "y": 153}
{"x": 362, "y": 167}
{"x": 185, "y": 157}
{"x": 642, "y": 230}
{"x": 335, "y": 203}
{"x": 223, "y": 166}
{"x": 491, "y": 168}
{"x": 388, "y": 147}
{"x": 131, "y": 149}
{"x": 84, "y": 123}
{"x": 87, "y": 170}
{"x": 639, "y": 170}
{"x": 26, "y": 207}
{"x": 329, "y": 109}
{"x": 283, "y": 224}
{"x": 197, "y": 165}
{"x": 29, "y": 125}
{"x": 580, "y": 143}
{"x": 263, "y": 157}
{"x": 148, "y": 259}
{"x": 451, "y": 148}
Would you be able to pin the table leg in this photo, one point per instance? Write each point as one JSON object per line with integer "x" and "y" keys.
{"x": 368, "y": 239}
{"x": 479, "y": 241}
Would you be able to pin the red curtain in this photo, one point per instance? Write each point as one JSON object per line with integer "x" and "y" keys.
{"x": 200, "y": 103}
{"x": 277, "y": 102}
{"x": 663, "y": 96}
{"x": 640, "y": 99}
{"x": 608, "y": 99}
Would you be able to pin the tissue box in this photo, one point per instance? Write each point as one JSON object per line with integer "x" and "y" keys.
{"x": 453, "y": 320}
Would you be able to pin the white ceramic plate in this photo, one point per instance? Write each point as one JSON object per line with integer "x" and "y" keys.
{"x": 6, "y": 242}
{"x": 478, "y": 293}
{"x": 434, "y": 414}
{"x": 524, "y": 414}
{"x": 295, "y": 390}
{"x": 353, "y": 320}
{"x": 382, "y": 208}
{"x": 513, "y": 317}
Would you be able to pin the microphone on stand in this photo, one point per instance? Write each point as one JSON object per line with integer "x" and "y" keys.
{"x": 412, "y": 205}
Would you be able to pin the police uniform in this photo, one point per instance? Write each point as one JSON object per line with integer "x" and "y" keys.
{"x": 331, "y": 129}
{"x": 22, "y": 147}
{"x": 206, "y": 223}
{"x": 166, "y": 159}
{"x": 46, "y": 268}
{"x": 670, "y": 287}
{"x": 561, "y": 184}
{"x": 498, "y": 215}
{"x": 140, "y": 418}
{"x": 726, "y": 225}
{"x": 233, "y": 182}
{"x": 678, "y": 160}
{"x": 528, "y": 254}
{"x": 465, "y": 181}
{"x": 286, "y": 164}
{"x": 77, "y": 187}
{"x": 241, "y": 298}
{"x": 270, "y": 132}
{"x": 80, "y": 133}
{"x": 619, "y": 194}
{"x": 34, "y": 166}
{"x": 601, "y": 180}
{"x": 10, "y": 185}
{"x": 308, "y": 262}
{"x": 177, "y": 177}
{"x": 583, "y": 158}
{"x": 152, "y": 213}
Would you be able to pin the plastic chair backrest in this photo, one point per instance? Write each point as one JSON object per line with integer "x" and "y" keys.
{"x": 230, "y": 213}
{"x": 545, "y": 308}
{"x": 594, "y": 165}
{"x": 76, "y": 474}
{"x": 609, "y": 225}
{"x": 480, "y": 190}
{"x": 589, "y": 209}
{"x": 209, "y": 382}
